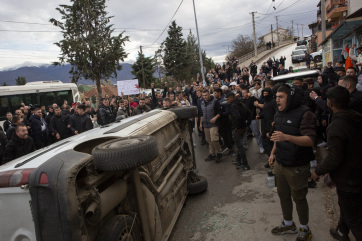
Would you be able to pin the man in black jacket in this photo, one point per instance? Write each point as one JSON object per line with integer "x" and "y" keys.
{"x": 59, "y": 125}
{"x": 294, "y": 137}
{"x": 238, "y": 125}
{"x": 39, "y": 129}
{"x": 8, "y": 121}
{"x": 343, "y": 162}
{"x": 19, "y": 145}
{"x": 85, "y": 120}
{"x": 105, "y": 113}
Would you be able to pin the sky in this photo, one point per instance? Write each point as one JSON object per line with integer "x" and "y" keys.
{"x": 27, "y": 38}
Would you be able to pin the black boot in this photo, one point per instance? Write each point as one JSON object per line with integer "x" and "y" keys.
{"x": 210, "y": 157}
{"x": 218, "y": 157}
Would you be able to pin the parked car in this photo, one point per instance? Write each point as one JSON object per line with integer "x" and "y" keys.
{"x": 302, "y": 47}
{"x": 301, "y": 42}
{"x": 302, "y": 73}
{"x": 298, "y": 56}
{"x": 317, "y": 56}
{"x": 123, "y": 181}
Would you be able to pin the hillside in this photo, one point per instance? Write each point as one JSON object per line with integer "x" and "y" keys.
{"x": 51, "y": 72}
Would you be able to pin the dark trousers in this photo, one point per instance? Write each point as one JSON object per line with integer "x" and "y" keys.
{"x": 226, "y": 133}
{"x": 200, "y": 131}
{"x": 350, "y": 205}
{"x": 241, "y": 156}
{"x": 292, "y": 182}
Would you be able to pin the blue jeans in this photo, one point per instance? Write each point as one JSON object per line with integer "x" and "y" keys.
{"x": 255, "y": 129}
{"x": 241, "y": 156}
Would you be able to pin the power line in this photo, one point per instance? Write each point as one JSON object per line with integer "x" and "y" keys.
{"x": 169, "y": 22}
{"x": 9, "y": 21}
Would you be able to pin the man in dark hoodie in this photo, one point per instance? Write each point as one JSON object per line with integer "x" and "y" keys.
{"x": 294, "y": 137}
{"x": 19, "y": 145}
{"x": 267, "y": 117}
{"x": 343, "y": 162}
{"x": 238, "y": 125}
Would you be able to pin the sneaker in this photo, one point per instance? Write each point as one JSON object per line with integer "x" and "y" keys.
{"x": 210, "y": 157}
{"x": 261, "y": 149}
{"x": 235, "y": 162}
{"x": 337, "y": 235}
{"x": 304, "y": 235}
{"x": 230, "y": 154}
{"x": 284, "y": 229}
{"x": 312, "y": 184}
{"x": 246, "y": 147}
{"x": 322, "y": 144}
{"x": 243, "y": 167}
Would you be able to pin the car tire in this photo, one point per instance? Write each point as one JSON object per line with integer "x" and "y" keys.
{"x": 317, "y": 59}
{"x": 125, "y": 153}
{"x": 121, "y": 227}
{"x": 196, "y": 184}
{"x": 185, "y": 112}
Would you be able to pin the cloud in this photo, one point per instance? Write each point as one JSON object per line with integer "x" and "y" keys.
{"x": 143, "y": 21}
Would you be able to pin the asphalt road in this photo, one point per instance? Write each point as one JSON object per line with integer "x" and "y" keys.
{"x": 286, "y": 51}
{"x": 238, "y": 205}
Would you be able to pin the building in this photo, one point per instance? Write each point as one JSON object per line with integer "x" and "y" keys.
{"x": 348, "y": 15}
{"x": 283, "y": 35}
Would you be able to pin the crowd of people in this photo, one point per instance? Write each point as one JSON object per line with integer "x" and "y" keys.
{"x": 235, "y": 104}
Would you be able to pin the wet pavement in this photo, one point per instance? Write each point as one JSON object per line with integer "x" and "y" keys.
{"x": 238, "y": 205}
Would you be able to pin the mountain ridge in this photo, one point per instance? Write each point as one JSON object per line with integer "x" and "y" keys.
{"x": 51, "y": 72}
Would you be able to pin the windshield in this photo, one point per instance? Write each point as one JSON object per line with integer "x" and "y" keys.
{"x": 301, "y": 47}
{"x": 298, "y": 52}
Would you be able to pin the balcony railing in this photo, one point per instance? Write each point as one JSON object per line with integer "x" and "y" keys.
{"x": 341, "y": 3}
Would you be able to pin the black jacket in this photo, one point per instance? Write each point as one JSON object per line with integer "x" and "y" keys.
{"x": 40, "y": 137}
{"x": 343, "y": 160}
{"x": 75, "y": 123}
{"x": 105, "y": 115}
{"x": 17, "y": 147}
{"x": 58, "y": 124}
{"x": 238, "y": 114}
{"x": 6, "y": 125}
{"x": 269, "y": 110}
{"x": 86, "y": 123}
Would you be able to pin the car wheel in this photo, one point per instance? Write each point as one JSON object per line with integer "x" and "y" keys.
{"x": 121, "y": 228}
{"x": 196, "y": 184}
{"x": 125, "y": 153}
{"x": 185, "y": 112}
{"x": 317, "y": 59}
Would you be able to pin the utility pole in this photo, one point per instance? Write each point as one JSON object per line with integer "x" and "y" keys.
{"x": 198, "y": 39}
{"x": 292, "y": 30}
{"x": 143, "y": 71}
{"x": 276, "y": 17}
{"x": 302, "y": 31}
{"x": 255, "y": 48}
{"x": 298, "y": 30}
{"x": 323, "y": 19}
{"x": 271, "y": 29}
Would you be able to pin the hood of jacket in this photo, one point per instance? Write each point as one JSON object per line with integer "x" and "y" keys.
{"x": 295, "y": 98}
{"x": 352, "y": 117}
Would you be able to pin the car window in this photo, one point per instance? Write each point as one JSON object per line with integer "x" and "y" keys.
{"x": 298, "y": 52}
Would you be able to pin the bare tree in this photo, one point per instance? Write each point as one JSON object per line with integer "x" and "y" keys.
{"x": 242, "y": 45}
